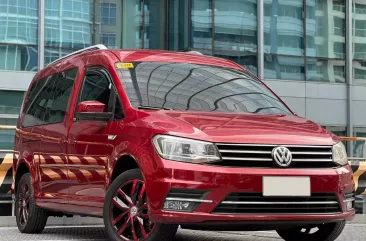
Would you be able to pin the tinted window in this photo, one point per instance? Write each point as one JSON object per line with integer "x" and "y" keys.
{"x": 36, "y": 110}
{"x": 96, "y": 87}
{"x": 196, "y": 87}
{"x": 48, "y": 99}
{"x": 60, "y": 96}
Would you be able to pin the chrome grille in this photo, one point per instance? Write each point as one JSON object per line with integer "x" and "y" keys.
{"x": 252, "y": 155}
{"x": 256, "y": 203}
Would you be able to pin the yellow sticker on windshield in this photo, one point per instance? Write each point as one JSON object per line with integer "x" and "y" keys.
{"x": 124, "y": 66}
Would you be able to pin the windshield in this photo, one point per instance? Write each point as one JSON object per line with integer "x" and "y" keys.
{"x": 184, "y": 86}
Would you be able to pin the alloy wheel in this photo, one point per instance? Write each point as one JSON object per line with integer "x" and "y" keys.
{"x": 129, "y": 211}
{"x": 23, "y": 203}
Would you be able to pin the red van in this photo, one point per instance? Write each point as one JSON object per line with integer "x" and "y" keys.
{"x": 153, "y": 140}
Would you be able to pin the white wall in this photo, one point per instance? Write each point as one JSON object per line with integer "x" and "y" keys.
{"x": 324, "y": 103}
{"x": 15, "y": 80}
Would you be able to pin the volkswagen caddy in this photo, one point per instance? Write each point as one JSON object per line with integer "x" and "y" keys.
{"x": 155, "y": 140}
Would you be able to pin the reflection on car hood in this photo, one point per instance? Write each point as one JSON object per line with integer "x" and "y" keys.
{"x": 244, "y": 128}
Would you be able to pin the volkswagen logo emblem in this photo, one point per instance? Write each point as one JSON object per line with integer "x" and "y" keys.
{"x": 282, "y": 156}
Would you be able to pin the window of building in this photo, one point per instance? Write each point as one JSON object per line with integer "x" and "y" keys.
{"x": 339, "y": 26}
{"x": 322, "y": 54}
{"x": 109, "y": 40}
{"x": 359, "y": 44}
{"x": 237, "y": 34}
{"x": 359, "y": 8}
{"x": 19, "y": 35}
{"x": 339, "y": 5}
{"x": 109, "y": 13}
{"x": 10, "y": 102}
{"x": 359, "y": 71}
{"x": 284, "y": 40}
{"x": 68, "y": 26}
{"x": 359, "y": 146}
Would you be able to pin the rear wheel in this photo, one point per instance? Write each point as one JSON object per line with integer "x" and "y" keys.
{"x": 126, "y": 211}
{"x": 319, "y": 232}
{"x": 29, "y": 217}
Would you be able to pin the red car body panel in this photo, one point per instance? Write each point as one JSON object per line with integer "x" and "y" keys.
{"x": 73, "y": 187}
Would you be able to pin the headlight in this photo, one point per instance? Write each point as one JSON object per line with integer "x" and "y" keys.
{"x": 185, "y": 150}
{"x": 340, "y": 154}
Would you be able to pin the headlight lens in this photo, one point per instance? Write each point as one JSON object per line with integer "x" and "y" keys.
{"x": 340, "y": 154}
{"x": 185, "y": 150}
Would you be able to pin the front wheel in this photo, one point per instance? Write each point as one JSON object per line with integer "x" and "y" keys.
{"x": 319, "y": 232}
{"x": 126, "y": 211}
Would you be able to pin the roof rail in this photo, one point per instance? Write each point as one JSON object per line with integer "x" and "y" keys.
{"x": 91, "y": 48}
{"x": 193, "y": 52}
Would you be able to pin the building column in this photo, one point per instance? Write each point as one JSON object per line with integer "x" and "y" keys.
{"x": 260, "y": 33}
{"x": 41, "y": 33}
{"x": 349, "y": 73}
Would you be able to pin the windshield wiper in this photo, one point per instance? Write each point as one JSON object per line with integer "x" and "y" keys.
{"x": 146, "y": 107}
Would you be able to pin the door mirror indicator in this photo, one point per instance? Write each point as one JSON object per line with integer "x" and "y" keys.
{"x": 92, "y": 111}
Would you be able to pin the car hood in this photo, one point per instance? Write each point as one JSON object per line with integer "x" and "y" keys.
{"x": 243, "y": 128}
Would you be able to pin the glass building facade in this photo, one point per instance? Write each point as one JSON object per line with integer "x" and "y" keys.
{"x": 311, "y": 52}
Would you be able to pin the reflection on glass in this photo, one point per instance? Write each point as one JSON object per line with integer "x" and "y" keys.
{"x": 178, "y": 25}
{"x": 236, "y": 25}
{"x": 201, "y": 28}
{"x": 325, "y": 28}
{"x": 108, "y": 23}
{"x": 10, "y": 102}
{"x": 247, "y": 61}
{"x": 283, "y": 27}
{"x": 18, "y": 28}
{"x": 133, "y": 15}
{"x": 19, "y": 57}
{"x": 108, "y": 13}
{"x": 155, "y": 23}
{"x": 358, "y": 146}
{"x": 19, "y": 22}
{"x": 359, "y": 71}
{"x": 198, "y": 87}
{"x": 68, "y": 23}
{"x": 359, "y": 30}
{"x": 326, "y": 70}
{"x": 281, "y": 67}
{"x": 52, "y": 54}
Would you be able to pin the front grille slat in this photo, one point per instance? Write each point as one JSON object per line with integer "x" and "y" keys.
{"x": 252, "y": 155}
{"x": 256, "y": 203}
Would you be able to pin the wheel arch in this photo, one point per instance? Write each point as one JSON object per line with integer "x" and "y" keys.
{"x": 124, "y": 163}
{"x": 22, "y": 169}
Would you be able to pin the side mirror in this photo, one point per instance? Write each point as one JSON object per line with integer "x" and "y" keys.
{"x": 92, "y": 111}
{"x": 90, "y": 106}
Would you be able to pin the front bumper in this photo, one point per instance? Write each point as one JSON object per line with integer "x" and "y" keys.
{"x": 219, "y": 182}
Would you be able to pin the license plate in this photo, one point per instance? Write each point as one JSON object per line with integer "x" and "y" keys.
{"x": 286, "y": 186}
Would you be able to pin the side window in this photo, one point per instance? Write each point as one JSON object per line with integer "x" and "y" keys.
{"x": 96, "y": 87}
{"x": 36, "y": 109}
{"x": 48, "y": 99}
{"x": 60, "y": 97}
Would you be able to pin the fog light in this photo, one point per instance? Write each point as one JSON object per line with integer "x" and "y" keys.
{"x": 349, "y": 205}
{"x": 178, "y": 205}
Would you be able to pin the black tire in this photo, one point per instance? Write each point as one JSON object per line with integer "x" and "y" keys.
{"x": 325, "y": 232}
{"x": 161, "y": 232}
{"x": 25, "y": 203}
